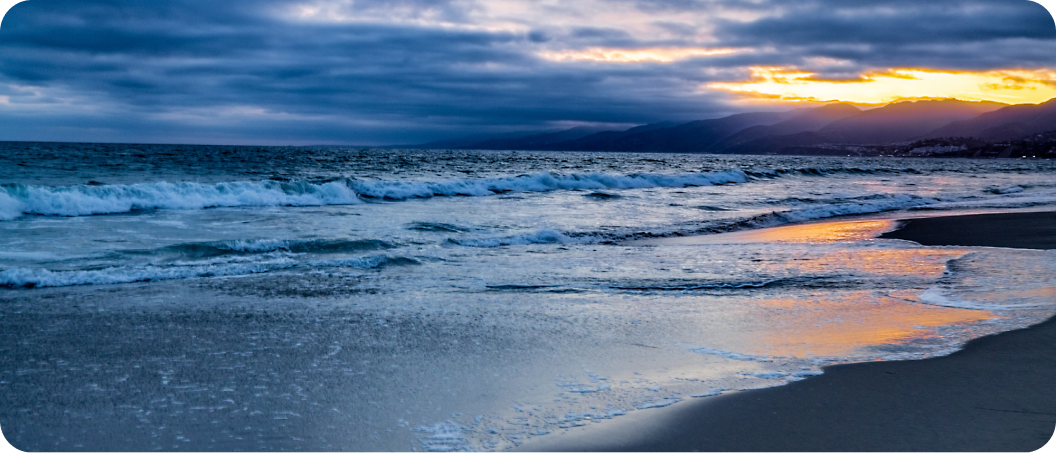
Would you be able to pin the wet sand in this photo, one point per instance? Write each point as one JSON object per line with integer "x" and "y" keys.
{"x": 997, "y": 394}
{"x": 1026, "y": 230}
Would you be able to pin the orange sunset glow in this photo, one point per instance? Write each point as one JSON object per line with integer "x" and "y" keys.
{"x": 1012, "y": 86}
{"x": 837, "y": 324}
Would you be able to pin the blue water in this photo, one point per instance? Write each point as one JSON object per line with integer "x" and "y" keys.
{"x": 246, "y": 298}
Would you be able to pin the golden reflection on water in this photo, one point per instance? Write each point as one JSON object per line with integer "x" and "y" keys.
{"x": 929, "y": 263}
{"x": 837, "y": 324}
{"x": 844, "y": 231}
{"x": 820, "y": 232}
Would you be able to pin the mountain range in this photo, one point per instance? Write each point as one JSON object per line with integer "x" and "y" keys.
{"x": 835, "y": 128}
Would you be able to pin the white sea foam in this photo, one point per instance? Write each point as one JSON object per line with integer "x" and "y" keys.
{"x": 733, "y": 355}
{"x": 217, "y": 267}
{"x": 18, "y": 199}
{"x": 711, "y": 392}
{"x": 771, "y": 375}
{"x": 543, "y": 236}
{"x": 446, "y": 436}
{"x": 936, "y": 296}
{"x": 880, "y": 204}
{"x": 659, "y": 403}
{"x": 10, "y": 207}
{"x": 109, "y": 199}
{"x": 255, "y": 245}
{"x": 1005, "y": 190}
{"x": 31, "y": 277}
{"x": 540, "y": 182}
{"x": 574, "y": 417}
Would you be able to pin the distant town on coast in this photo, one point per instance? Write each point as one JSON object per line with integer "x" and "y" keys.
{"x": 923, "y": 128}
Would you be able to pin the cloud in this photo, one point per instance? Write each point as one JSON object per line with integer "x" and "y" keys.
{"x": 372, "y": 71}
{"x": 1049, "y": 5}
{"x": 657, "y": 54}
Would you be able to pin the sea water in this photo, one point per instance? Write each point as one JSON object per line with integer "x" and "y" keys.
{"x": 327, "y": 298}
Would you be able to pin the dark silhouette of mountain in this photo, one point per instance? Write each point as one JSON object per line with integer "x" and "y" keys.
{"x": 1009, "y": 123}
{"x": 777, "y": 144}
{"x": 923, "y": 128}
{"x": 607, "y": 140}
{"x": 535, "y": 141}
{"x": 462, "y": 142}
{"x": 692, "y": 137}
{"x": 806, "y": 120}
{"x": 902, "y": 121}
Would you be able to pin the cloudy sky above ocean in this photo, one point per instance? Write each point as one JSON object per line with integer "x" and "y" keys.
{"x": 409, "y": 71}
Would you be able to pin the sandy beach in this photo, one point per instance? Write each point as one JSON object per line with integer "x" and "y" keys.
{"x": 996, "y": 394}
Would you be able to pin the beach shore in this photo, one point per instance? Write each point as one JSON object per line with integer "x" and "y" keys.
{"x": 1025, "y": 230}
{"x": 997, "y": 394}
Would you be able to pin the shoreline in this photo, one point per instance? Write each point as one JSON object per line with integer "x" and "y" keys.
{"x": 1025, "y": 230}
{"x": 995, "y": 394}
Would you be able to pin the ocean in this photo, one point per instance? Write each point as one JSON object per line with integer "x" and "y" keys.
{"x": 171, "y": 297}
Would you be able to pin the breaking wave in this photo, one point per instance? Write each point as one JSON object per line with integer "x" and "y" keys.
{"x": 71, "y": 201}
{"x": 91, "y": 199}
{"x": 219, "y": 248}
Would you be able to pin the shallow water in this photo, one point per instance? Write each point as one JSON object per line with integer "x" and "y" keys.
{"x": 204, "y": 298}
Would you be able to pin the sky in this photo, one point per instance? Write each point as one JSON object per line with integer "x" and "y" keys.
{"x": 373, "y": 72}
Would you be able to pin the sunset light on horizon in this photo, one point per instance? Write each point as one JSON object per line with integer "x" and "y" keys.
{"x": 1017, "y": 86}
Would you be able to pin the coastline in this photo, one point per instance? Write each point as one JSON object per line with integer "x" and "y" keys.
{"x": 996, "y": 394}
{"x": 1026, "y": 230}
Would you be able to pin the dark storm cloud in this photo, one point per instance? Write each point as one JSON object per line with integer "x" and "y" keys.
{"x": 246, "y": 71}
{"x": 951, "y": 34}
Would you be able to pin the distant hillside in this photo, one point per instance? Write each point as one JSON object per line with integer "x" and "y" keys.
{"x": 1042, "y": 146}
{"x": 1010, "y": 123}
{"x": 461, "y": 142}
{"x": 534, "y": 141}
{"x": 902, "y": 121}
{"x": 805, "y": 120}
{"x": 965, "y": 129}
{"x": 692, "y": 137}
{"x": 893, "y": 123}
{"x": 608, "y": 140}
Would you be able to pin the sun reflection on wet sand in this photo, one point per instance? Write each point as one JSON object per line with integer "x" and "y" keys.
{"x": 841, "y": 323}
{"x": 845, "y": 231}
{"x": 928, "y": 263}
{"x": 836, "y": 324}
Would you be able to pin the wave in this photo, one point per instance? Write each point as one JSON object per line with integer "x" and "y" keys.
{"x": 544, "y": 236}
{"x": 436, "y": 227}
{"x": 810, "y": 171}
{"x": 90, "y": 199}
{"x": 706, "y": 286}
{"x": 936, "y": 296}
{"x": 71, "y": 201}
{"x": 37, "y": 278}
{"x": 318, "y": 246}
{"x": 519, "y": 287}
{"x": 539, "y": 182}
{"x": 1005, "y": 190}
{"x": 602, "y": 196}
{"x": 858, "y": 206}
{"x": 733, "y": 355}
